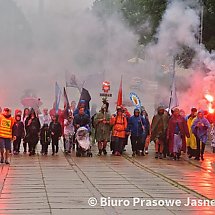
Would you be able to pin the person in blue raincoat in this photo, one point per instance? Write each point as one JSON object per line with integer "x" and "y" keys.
{"x": 136, "y": 127}
{"x": 200, "y": 130}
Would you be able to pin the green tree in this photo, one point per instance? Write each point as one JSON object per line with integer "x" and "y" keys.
{"x": 208, "y": 35}
{"x": 144, "y": 17}
{"x": 138, "y": 12}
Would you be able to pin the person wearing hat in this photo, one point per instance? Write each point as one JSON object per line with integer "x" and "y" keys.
{"x": 191, "y": 141}
{"x": 18, "y": 132}
{"x": 6, "y": 125}
{"x": 200, "y": 128}
{"x": 158, "y": 131}
{"x": 137, "y": 128}
{"x": 103, "y": 129}
{"x": 119, "y": 123}
{"x": 176, "y": 134}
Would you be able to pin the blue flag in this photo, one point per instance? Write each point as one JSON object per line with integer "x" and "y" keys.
{"x": 57, "y": 96}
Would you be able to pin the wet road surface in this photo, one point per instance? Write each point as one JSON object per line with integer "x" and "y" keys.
{"x": 64, "y": 184}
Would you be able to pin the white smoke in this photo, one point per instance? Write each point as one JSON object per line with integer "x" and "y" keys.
{"x": 64, "y": 36}
{"x": 178, "y": 28}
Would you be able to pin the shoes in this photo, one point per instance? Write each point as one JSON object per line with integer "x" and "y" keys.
{"x": 160, "y": 156}
{"x": 100, "y": 152}
{"x": 142, "y": 153}
{"x": 156, "y": 155}
{"x": 104, "y": 152}
{"x": 53, "y": 154}
{"x": 134, "y": 154}
{"x": 117, "y": 154}
{"x": 2, "y": 160}
{"x": 190, "y": 156}
{"x": 174, "y": 158}
{"x": 6, "y": 162}
{"x": 202, "y": 158}
{"x": 178, "y": 156}
{"x": 197, "y": 158}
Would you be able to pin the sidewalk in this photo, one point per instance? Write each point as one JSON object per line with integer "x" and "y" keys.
{"x": 63, "y": 185}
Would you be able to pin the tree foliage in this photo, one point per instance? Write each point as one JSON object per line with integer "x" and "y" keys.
{"x": 144, "y": 17}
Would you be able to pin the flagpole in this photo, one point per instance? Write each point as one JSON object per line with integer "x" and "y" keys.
{"x": 173, "y": 79}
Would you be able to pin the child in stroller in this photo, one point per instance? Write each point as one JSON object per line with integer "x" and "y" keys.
{"x": 83, "y": 146}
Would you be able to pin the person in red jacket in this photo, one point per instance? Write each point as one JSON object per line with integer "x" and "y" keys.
{"x": 6, "y": 125}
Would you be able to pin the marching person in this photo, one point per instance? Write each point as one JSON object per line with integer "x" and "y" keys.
{"x": 146, "y": 140}
{"x": 103, "y": 129}
{"x": 127, "y": 115}
{"x": 56, "y": 133}
{"x": 45, "y": 117}
{"x": 68, "y": 133}
{"x": 176, "y": 134}
{"x": 81, "y": 119}
{"x": 32, "y": 125}
{"x": 45, "y": 138}
{"x": 6, "y": 125}
{"x": 82, "y": 104}
{"x": 119, "y": 123}
{"x": 200, "y": 128}
{"x": 158, "y": 131}
{"x": 213, "y": 137}
{"x": 24, "y": 117}
{"x": 191, "y": 142}
{"x": 136, "y": 127}
{"x": 18, "y": 132}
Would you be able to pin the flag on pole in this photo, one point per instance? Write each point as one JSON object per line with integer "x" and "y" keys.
{"x": 119, "y": 99}
{"x": 66, "y": 104}
{"x": 57, "y": 97}
{"x": 173, "y": 97}
{"x": 71, "y": 81}
{"x": 85, "y": 95}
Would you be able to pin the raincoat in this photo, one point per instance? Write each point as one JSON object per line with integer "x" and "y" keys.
{"x": 191, "y": 141}
{"x": 201, "y": 131}
{"x": 102, "y": 129}
{"x": 119, "y": 124}
{"x": 183, "y": 132}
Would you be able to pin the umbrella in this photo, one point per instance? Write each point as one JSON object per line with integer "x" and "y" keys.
{"x": 31, "y": 102}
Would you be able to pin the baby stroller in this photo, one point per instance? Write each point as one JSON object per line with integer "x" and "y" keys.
{"x": 83, "y": 146}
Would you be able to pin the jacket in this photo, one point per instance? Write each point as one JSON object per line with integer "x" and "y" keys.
{"x": 18, "y": 129}
{"x": 137, "y": 126}
{"x": 119, "y": 124}
{"x": 6, "y": 125}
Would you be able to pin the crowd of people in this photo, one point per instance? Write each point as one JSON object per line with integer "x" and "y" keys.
{"x": 171, "y": 133}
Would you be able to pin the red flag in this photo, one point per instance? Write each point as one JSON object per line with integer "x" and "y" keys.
{"x": 119, "y": 100}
